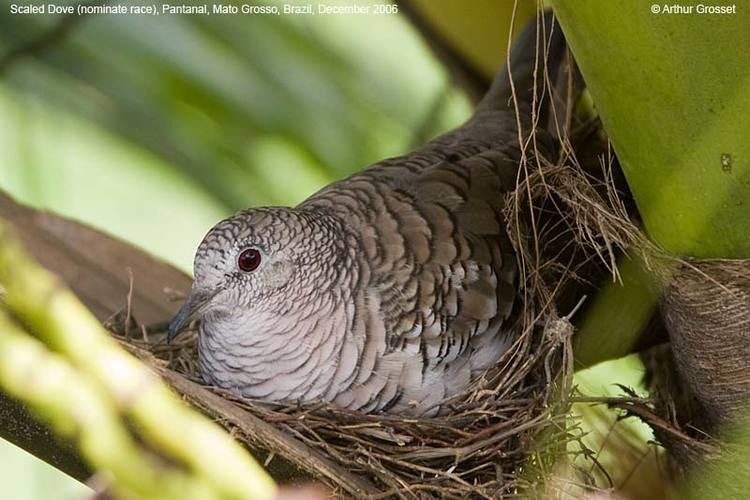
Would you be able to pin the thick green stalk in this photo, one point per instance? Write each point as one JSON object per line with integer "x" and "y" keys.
{"x": 620, "y": 312}
{"x": 76, "y": 407}
{"x": 61, "y": 322}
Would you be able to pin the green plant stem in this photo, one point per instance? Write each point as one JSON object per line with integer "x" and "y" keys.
{"x": 618, "y": 316}
{"x": 77, "y": 407}
{"x": 62, "y": 323}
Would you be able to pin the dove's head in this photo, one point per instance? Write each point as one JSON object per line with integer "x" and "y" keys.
{"x": 262, "y": 263}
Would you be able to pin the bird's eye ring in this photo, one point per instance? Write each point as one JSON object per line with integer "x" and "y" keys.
{"x": 249, "y": 260}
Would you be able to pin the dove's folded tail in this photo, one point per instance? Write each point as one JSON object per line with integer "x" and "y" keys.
{"x": 540, "y": 45}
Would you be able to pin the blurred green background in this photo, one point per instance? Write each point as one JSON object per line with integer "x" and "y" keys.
{"x": 154, "y": 128}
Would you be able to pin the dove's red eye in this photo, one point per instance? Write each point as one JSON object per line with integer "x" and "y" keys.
{"x": 249, "y": 260}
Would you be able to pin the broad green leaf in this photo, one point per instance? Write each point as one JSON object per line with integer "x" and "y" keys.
{"x": 673, "y": 91}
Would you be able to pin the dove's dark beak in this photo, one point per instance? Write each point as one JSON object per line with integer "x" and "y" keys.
{"x": 192, "y": 309}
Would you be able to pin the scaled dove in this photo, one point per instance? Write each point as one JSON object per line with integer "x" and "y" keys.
{"x": 387, "y": 291}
